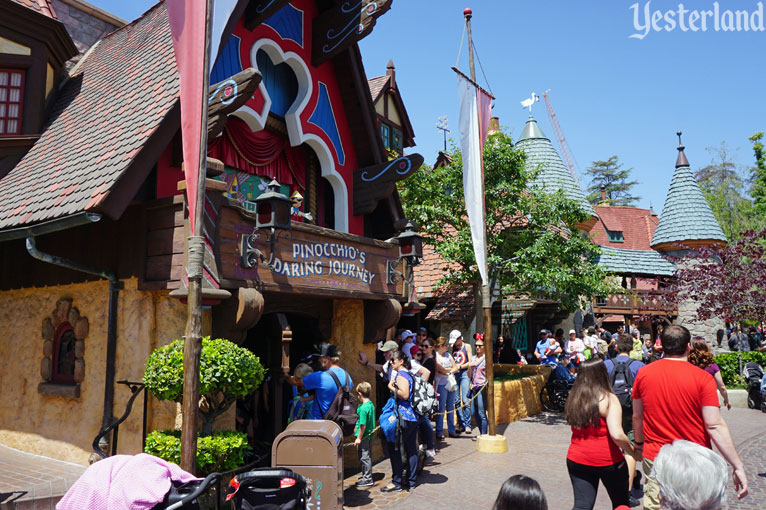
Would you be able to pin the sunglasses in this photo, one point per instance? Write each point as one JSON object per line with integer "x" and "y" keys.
{"x": 479, "y": 345}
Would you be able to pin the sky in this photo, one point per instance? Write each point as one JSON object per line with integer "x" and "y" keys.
{"x": 613, "y": 94}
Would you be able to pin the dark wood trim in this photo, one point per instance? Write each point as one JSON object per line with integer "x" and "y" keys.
{"x": 133, "y": 177}
{"x": 47, "y": 30}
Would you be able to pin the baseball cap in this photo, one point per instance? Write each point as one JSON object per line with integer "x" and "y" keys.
{"x": 572, "y": 332}
{"x": 407, "y": 334}
{"x": 454, "y": 335}
{"x": 390, "y": 345}
{"x": 543, "y": 332}
{"x": 414, "y": 350}
{"x": 327, "y": 349}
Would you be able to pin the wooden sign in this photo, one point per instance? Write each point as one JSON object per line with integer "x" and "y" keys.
{"x": 377, "y": 182}
{"x": 258, "y": 11}
{"x": 343, "y": 25}
{"x": 306, "y": 259}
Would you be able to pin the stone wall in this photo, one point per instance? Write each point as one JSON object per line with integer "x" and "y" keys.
{"x": 687, "y": 311}
{"x": 84, "y": 28}
{"x": 62, "y": 427}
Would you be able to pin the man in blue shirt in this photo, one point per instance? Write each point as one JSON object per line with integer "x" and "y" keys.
{"x": 322, "y": 382}
{"x": 547, "y": 349}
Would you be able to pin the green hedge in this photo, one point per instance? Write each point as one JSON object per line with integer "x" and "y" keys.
{"x": 220, "y": 451}
{"x": 729, "y": 364}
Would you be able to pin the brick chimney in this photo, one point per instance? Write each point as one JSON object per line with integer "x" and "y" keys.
{"x": 494, "y": 125}
{"x": 603, "y": 194}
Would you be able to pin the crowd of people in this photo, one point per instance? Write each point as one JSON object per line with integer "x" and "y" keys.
{"x": 651, "y": 401}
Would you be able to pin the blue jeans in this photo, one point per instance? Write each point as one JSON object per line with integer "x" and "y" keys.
{"x": 446, "y": 402}
{"x": 464, "y": 384}
{"x": 409, "y": 442}
{"x": 426, "y": 432}
{"x": 479, "y": 413}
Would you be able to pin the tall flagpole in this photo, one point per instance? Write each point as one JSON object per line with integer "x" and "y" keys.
{"x": 489, "y": 405}
{"x": 193, "y": 342}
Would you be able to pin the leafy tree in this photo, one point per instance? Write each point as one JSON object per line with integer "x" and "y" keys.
{"x": 724, "y": 190}
{"x": 614, "y": 178}
{"x": 727, "y": 282}
{"x": 227, "y": 372}
{"x": 533, "y": 245}
{"x": 758, "y": 175}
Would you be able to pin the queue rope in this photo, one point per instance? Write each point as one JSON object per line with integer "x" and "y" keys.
{"x": 462, "y": 406}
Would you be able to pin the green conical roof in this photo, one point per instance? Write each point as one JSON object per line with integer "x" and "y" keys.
{"x": 554, "y": 174}
{"x": 686, "y": 215}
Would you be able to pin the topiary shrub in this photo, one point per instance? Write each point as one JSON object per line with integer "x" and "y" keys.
{"x": 729, "y": 365}
{"x": 218, "y": 452}
{"x": 227, "y": 372}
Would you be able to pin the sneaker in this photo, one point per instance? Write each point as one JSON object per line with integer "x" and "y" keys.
{"x": 468, "y": 430}
{"x": 633, "y": 502}
{"x": 364, "y": 483}
{"x": 391, "y": 488}
{"x": 430, "y": 454}
{"x": 440, "y": 437}
{"x": 454, "y": 434}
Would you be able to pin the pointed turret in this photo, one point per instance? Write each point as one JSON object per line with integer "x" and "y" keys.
{"x": 686, "y": 220}
{"x": 554, "y": 175}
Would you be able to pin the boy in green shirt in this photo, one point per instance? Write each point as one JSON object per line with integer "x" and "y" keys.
{"x": 365, "y": 427}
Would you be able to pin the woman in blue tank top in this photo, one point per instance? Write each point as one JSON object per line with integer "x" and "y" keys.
{"x": 400, "y": 386}
{"x": 462, "y": 354}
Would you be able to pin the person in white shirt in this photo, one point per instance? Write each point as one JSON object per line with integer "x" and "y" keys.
{"x": 575, "y": 348}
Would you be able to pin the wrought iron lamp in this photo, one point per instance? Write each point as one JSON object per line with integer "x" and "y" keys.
{"x": 272, "y": 215}
{"x": 410, "y": 249}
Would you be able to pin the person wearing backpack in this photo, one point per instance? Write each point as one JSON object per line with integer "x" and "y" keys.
{"x": 405, "y": 445}
{"x": 329, "y": 384}
{"x": 622, "y": 372}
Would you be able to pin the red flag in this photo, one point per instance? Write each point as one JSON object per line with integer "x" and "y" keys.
{"x": 188, "y": 20}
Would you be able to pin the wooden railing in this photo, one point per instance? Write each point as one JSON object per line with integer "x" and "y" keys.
{"x": 636, "y": 302}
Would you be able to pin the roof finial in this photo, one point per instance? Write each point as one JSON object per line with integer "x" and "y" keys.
{"x": 527, "y": 103}
{"x": 681, "y": 161}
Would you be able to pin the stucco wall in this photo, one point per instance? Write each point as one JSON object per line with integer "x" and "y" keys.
{"x": 348, "y": 336}
{"x": 62, "y": 427}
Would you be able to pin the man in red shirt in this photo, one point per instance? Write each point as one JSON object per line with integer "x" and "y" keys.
{"x": 673, "y": 399}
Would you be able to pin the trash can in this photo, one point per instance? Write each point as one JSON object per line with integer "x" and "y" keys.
{"x": 314, "y": 449}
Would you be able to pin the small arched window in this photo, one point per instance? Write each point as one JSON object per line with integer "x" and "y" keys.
{"x": 64, "y": 355}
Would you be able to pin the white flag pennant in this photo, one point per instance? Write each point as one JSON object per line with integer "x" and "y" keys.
{"x": 475, "y": 112}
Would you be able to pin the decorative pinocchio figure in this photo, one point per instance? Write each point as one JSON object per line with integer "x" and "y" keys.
{"x": 296, "y": 211}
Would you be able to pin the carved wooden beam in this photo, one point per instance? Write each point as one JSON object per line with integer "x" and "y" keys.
{"x": 377, "y": 182}
{"x": 343, "y": 25}
{"x": 227, "y": 96}
{"x": 258, "y": 11}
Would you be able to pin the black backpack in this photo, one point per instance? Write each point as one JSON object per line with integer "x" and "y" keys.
{"x": 342, "y": 410}
{"x": 622, "y": 382}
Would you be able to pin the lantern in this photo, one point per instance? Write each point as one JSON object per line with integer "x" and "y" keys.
{"x": 272, "y": 209}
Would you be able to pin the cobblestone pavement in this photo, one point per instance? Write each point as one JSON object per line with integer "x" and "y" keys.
{"x": 464, "y": 479}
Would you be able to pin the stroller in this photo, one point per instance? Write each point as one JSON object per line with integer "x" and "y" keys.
{"x": 554, "y": 394}
{"x": 147, "y": 482}
{"x": 752, "y": 374}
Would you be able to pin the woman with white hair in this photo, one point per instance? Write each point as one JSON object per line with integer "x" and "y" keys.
{"x": 690, "y": 476}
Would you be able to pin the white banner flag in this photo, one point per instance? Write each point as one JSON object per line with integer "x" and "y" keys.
{"x": 475, "y": 111}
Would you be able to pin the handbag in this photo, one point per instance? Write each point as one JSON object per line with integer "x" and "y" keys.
{"x": 451, "y": 383}
{"x": 388, "y": 420}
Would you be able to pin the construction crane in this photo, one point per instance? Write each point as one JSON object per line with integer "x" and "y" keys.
{"x": 560, "y": 136}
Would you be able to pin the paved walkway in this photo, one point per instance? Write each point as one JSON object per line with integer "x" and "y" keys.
{"x": 464, "y": 479}
{"x": 25, "y": 477}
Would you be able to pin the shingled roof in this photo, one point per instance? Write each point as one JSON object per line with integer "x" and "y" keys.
{"x": 101, "y": 123}
{"x": 637, "y": 262}
{"x": 554, "y": 175}
{"x": 41, "y": 6}
{"x": 637, "y": 226}
{"x": 686, "y": 216}
{"x": 376, "y": 86}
